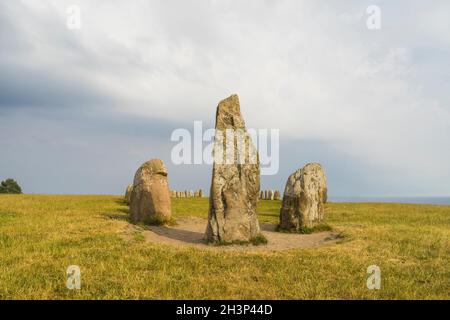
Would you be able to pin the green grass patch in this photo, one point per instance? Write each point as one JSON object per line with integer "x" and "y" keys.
{"x": 260, "y": 239}
{"x": 307, "y": 230}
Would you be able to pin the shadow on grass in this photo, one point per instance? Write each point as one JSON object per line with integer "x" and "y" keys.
{"x": 122, "y": 214}
{"x": 269, "y": 215}
{"x": 121, "y": 201}
{"x": 177, "y": 234}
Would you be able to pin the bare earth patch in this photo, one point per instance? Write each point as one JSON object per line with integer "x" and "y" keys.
{"x": 189, "y": 232}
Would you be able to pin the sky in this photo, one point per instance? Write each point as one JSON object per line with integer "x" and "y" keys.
{"x": 82, "y": 109}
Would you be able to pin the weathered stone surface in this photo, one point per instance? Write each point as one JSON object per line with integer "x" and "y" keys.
{"x": 128, "y": 193}
{"x": 235, "y": 186}
{"x": 150, "y": 198}
{"x": 304, "y": 198}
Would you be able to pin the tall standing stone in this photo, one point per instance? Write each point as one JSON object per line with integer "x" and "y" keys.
{"x": 276, "y": 195}
{"x": 150, "y": 198}
{"x": 235, "y": 184}
{"x": 200, "y": 193}
{"x": 304, "y": 198}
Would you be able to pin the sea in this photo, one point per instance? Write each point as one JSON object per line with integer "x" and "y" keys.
{"x": 412, "y": 200}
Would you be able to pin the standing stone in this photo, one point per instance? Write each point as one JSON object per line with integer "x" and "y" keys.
{"x": 128, "y": 193}
{"x": 150, "y": 198}
{"x": 261, "y": 195}
{"x": 200, "y": 193}
{"x": 270, "y": 194}
{"x": 304, "y": 198}
{"x": 235, "y": 184}
{"x": 276, "y": 195}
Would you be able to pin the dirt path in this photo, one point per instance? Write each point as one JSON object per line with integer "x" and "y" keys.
{"x": 190, "y": 231}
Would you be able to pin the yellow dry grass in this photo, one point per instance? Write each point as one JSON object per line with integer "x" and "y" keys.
{"x": 40, "y": 236}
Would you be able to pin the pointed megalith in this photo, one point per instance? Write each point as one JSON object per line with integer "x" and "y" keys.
{"x": 304, "y": 198}
{"x": 235, "y": 179}
{"x": 150, "y": 198}
{"x": 276, "y": 195}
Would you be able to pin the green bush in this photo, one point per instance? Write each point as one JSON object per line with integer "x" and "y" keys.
{"x": 10, "y": 186}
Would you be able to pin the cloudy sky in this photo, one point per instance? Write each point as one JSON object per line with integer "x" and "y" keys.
{"x": 80, "y": 110}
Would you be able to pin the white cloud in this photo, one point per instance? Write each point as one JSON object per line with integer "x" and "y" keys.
{"x": 311, "y": 69}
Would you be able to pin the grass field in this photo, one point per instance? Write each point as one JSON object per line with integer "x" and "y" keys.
{"x": 40, "y": 236}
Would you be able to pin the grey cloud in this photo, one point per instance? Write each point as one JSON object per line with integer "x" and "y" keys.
{"x": 44, "y": 88}
{"x": 88, "y": 155}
